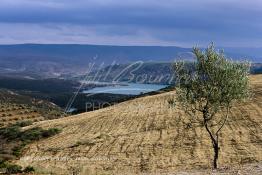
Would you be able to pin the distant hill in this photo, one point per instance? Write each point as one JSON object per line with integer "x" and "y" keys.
{"x": 52, "y": 60}
{"x": 57, "y": 59}
{"x": 142, "y": 72}
{"x": 79, "y": 54}
{"x": 139, "y": 72}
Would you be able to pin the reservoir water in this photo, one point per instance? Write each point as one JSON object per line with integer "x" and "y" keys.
{"x": 128, "y": 89}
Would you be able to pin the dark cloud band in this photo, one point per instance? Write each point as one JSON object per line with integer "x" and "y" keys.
{"x": 174, "y": 21}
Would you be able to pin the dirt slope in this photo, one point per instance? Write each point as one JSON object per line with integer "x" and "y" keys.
{"x": 145, "y": 135}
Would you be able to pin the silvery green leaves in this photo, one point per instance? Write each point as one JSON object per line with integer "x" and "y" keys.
{"x": 208, "y": 87}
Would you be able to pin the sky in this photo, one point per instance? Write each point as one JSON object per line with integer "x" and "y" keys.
{"x": 233, "y": 23}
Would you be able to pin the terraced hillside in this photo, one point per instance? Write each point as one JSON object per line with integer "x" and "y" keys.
{"x": 146, "y": 135}
{"x": 17, "y": 108}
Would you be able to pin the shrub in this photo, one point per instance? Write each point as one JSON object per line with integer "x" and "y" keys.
{"x": 17, "y": 150}
{"x": 32, "y": 134}
{"x": 50, "y": 132}
{"x": 10, "y": 132}
{"x": 13, "y": 169}
{"x": 29, "y": 169}
{"x": 16, "y": 140}
{"x": 13, "y": 132}
{"x": 2, "y": 163}
{"x": 24, "y": 123}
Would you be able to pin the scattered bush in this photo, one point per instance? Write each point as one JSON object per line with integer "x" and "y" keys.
{"x": 32, "y": 134}
{"x": 10, "y": 133}
{"x": 2, "y": 163}
{"x": 13, "y": 169}
{"x": 14, "y": 132}
{"x": 24, "y": 123}
{"x": 17, "y": 150}
{"x": 16, "y": 140}
{"x": 50, "y": 132}
{"x": 29, "y": 169}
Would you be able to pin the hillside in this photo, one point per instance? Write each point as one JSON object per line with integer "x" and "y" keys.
{"x": 19, "y": 108}
{"x": 143, "y": 72}
{"x": 145, "y": 135}
{"x": 137, "y": 72}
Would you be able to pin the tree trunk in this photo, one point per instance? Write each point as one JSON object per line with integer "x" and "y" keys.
{"x": 216, "y": 151}
{"x": 215, "y": 146}
{"x": 214, "y": 138}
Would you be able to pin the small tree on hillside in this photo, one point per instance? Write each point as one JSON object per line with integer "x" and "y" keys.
{"x": 207, "y": 88}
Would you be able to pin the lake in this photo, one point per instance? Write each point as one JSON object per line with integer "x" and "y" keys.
{"x": 128, "y": 89}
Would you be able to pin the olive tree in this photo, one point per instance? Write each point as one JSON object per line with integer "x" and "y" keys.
{"x": 208, "y": 87}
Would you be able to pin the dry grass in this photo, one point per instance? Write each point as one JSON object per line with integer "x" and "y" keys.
{"x": 146, "y": 135}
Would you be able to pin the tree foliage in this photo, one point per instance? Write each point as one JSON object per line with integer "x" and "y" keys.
{"x": 208, "y": 88}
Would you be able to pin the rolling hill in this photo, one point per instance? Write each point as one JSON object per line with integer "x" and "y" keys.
{"x": 15, "y": 108}
{"x": 53, "y": 60}
{"x": 146, "y": 135}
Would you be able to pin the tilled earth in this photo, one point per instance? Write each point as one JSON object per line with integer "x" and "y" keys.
{"x": 148, "y": 136}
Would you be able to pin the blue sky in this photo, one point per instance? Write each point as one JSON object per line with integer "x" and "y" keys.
{"x": 132, "y": 22}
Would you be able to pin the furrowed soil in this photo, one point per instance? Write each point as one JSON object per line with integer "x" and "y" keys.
{"x": 148, "y": 136}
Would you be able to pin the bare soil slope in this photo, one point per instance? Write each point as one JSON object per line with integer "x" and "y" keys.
{"x": 146, "y": 135}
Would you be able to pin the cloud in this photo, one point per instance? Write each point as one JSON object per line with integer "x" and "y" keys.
{"x": 231, "y": 22}
{"x": 68, "y": 33}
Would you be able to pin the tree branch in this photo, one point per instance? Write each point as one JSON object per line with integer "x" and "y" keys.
{"x": 224, "y": 122}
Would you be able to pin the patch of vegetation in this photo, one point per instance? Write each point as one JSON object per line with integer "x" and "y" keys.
{"x": 14, "y": 132}
{"x": 24, "y": 123}
{"x": 97, "y": 101}
{"x": 86, "y": 143}
{"x": 29, "y": 169}
{"x": 41, "y": 85}
{"x": 16, "y": 107}
{"x": 14, "y": 169}
{"x": 13, "y": 140}
{"x": 10, "y": 133}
